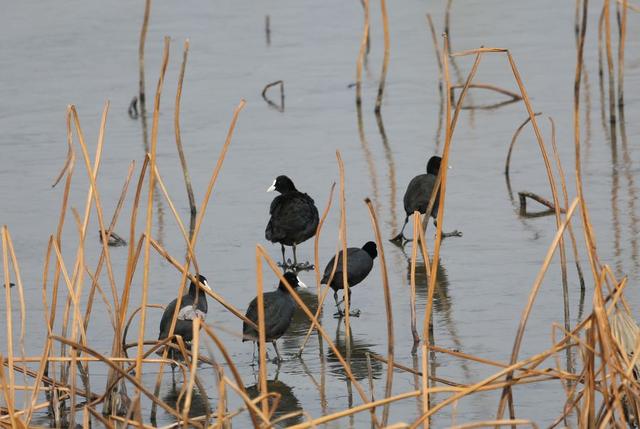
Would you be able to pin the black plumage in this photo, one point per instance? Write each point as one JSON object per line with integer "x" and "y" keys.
{"x": 359, "y": 265}
{"x": 279, "y": 307}
{"x": 294, "y": 216}
{"x": 418, "y": 194}
{"x": 193, "y": 305}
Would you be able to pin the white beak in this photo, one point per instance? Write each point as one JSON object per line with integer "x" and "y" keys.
{"x": 206, "y": 285}
{"x": 272, "y": 187}
{"x": 302, "y": 285}
{"x": 450, "y": 167}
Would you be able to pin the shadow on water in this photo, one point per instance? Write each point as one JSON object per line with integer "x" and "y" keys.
{"x": 357, "y": 351}
{"x": 287, "y": 404}
{"x": 199, "y": 403}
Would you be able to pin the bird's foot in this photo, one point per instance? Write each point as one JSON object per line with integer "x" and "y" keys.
{"x": 340, "y": 313}
{"x": 398, "y": 239}
{"x": 454, "y": 233}
{"x": 303, "y": 266}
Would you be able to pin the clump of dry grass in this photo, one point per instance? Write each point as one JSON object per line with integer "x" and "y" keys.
{"x": 601, "y": 387}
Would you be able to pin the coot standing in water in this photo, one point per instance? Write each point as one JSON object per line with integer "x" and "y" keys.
{"x": 279, "y": 307}
{"x": 418, "y": 194}
{"x": 193, "y": 305}
{"x": 359, "y": 265}
{"x": 294, "y": 218}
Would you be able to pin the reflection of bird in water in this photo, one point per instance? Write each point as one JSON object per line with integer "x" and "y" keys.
{"x": 288, "y": 402}
{"x": 292, "y": 339}
{"x": 199, "y": 404}
{"x": 358, "y": 358}
{"x": 442, "y": 303}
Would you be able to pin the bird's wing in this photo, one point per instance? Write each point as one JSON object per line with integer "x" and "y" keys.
{"x": 418, "y": 193}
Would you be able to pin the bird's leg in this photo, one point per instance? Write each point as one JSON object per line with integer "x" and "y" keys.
{"x": 275, "y": 346}
{"x": 284, "y": 261}
{"x": 398, "y": 238}
{"x": 295, "y": 259}
{"x": 352, "y": 312}
{"x": 340, "y": 312}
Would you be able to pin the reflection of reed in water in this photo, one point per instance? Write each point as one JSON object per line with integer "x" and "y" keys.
{"x": 288, "y": 402}
{"x": 368, "y": 156}
{"x": 358, "y": 351}
{"x": 199, "y": 404}
{"x": 442, "y": 304}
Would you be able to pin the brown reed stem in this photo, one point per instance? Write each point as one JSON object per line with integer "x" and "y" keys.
{"x": 388, "y": 308}
{"x": 412, "y": 302}
{"x": 183, "y": 160}
{"x": 385, "y": 60}
{"x": 262, "y": 348}
{"x": 362, "y": 53}
{"x": 149, "y": 217}
{"x": 143, "y": 39}
{"x": 343, "y": 241}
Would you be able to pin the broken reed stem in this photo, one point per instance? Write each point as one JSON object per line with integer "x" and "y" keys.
{"x": 388, "y": 308}
{"x": 507, "y": 163}
{"x": 10, "y": 393}
{"x": 385, "y": 60}
{"x": 343, "y": 241}
{"x": 515, "y": 96}
{"x": 149, "y": 217}
{"x": 362, "y": 53}
{"x": 183, "y": 160}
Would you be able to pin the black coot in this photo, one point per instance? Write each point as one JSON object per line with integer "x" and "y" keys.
{"x": 193, "y": 305}
{"x": 279, "y": 307}
{"x": 418, "y": 194}
{"x": 294, "y": 216}
{"x": 359, "y": 265}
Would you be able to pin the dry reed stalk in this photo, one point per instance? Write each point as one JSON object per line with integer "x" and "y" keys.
{"x": 183, "y": 160}
{"x": 147, "y": 243}
{"x": 262, "y": 349}
{"x": 234, "y": 370}
{"x": 10, "y": 393}
{"x": 442, "y": 190}
{"x": 343, "y": 241}
{"x": 516, "y": 134}
{"x": 195, "y": 344}
{"x": 412, "y": 302}
{"x": 143, "y": 39}
{"x": 565, "y": 196}
{"x": 515, "y": 96}
{"x": 101, "y": 259}
{"x": 314, "y": 322}
{"x": 532, "y": 296}
{"x": 388, "y": 308}
{"x": 512, "y": 422}
{"x": 133, "y": 380}
{"x": 385, "y": 60}
{"x": 316, "y": 242}
{"x": 250, "y": 402}
{"x": 19, "y": 286}
{"x": 362, "y": 53}
{"x": 321, "y": 293}
{"x": 279, "y": 108}
{"x": 192, "y": 278}
{"x": 355, "y": 410}
{"x": 183, "y": 231}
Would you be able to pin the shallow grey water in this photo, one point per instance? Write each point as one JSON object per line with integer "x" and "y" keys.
{"x": 86, "y": 53}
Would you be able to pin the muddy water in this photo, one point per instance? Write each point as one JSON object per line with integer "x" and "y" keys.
{"x": 87, "y": 53}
